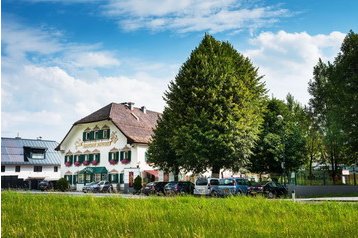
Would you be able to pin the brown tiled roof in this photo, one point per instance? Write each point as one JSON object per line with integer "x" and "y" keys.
{"x": 136, "y": 125}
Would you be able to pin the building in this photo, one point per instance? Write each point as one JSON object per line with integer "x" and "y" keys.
{"x": 110, "y": 144}
{"x": 25, "y": 162}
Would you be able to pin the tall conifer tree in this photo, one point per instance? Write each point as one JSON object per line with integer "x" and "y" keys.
{"x": 213, "y": 114}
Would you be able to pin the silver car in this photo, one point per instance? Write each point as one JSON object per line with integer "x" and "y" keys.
{"x": 207, "y": 187}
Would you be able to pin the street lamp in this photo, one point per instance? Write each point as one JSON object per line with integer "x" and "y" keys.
{"x": 280, "y": 118}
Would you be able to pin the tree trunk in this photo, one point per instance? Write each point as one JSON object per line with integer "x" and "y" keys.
{"x": 215, "y": 173}
{"x": 176, "y": 174}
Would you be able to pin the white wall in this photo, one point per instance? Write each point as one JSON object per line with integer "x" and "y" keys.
{"x": 27, "y": 171}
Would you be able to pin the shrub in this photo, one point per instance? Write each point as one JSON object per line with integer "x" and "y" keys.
{"x": 62, "y": 185}
{"x": 137, "y": 184}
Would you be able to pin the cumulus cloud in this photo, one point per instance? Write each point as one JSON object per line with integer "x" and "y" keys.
{"x": 287, "y": 59}
{"x": 42, "y": 94}
{"x": 193, "y": 15}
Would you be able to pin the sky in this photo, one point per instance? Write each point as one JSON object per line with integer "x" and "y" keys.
{"x": 64, "y": 59}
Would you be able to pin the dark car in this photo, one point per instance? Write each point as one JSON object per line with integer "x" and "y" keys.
{"x": 274, "y": 189}
{"x": 45, "y": 185}
{"x": 154, "y": 188}
{"x": 254, "y": 188}
{"x": 181, "y": 187}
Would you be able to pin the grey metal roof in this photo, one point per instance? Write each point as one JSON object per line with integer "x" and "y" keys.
{"x": 12, "y": 151}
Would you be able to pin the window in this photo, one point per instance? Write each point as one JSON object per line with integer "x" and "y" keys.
{"x": 105, "y": 136}
{"x": 80, "y": 178}
{"x": 17, "y": 168}
{"x": 97, "y": 177}
{"x": 37, "y": 168}
{"x": 34, "y": 153}
{"x": 126, "y": 155}
{"x": 2, "y": 168}
{"x": 55, "y": 169}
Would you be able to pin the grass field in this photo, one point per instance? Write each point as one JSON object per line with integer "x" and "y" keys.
{"x": 31, "y": 215}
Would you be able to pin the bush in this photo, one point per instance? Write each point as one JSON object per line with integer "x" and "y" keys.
{"x": 62, "y": 185}
{"x": 137, "y": 184}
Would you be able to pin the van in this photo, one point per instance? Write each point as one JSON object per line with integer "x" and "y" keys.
{"x": 207, "y": 186}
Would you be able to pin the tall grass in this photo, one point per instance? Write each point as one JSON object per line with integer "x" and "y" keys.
{"x": 30, "y": 215}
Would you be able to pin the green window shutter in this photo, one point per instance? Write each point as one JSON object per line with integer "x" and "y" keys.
{"x": 108, "y": 133}
{"x": 115, "y": 178}
{"x": 100, "y": 134}
{"x": 71, "y": 158}
{"x": 121, "y": 178}
{"x": 91, "y": 135}
{"x": 109, "y": 156}
{"x": 122, "y": 155}
{"x": 84, "y": 136}
{"x": 97, "y": 157}
{"x": 117, "y": 156}
{"x": 82, "y": 158}
{"x": 90, "y": 157}
{"x": 74, "y": 179}
{"x": 129, "y": 155}
{"x": 109, "y": 177}
{"x": 65, "y": 158}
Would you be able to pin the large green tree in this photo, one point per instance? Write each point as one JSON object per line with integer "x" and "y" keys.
{"x": 334, "y": 103}
{"x": 282, "y": 145}
{"x": 213, "y": 114}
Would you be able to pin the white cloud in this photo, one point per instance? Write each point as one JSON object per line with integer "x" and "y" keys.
{"x": 43, "y": 90}
{"x": 193, "y": 15}
{"x": 287, "y": 59}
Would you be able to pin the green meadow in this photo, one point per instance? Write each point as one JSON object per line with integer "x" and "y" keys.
{"x": 47, "y": 215}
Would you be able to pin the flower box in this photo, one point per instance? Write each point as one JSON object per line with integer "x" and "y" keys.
{"x": 86, "y": 162}
{"x": 77, "y": 163}
{"x": 94, "y": 162}
{"x": 113, "y": 162}
{"x": 125, "y": 161}
{"x": 68, "y": 163}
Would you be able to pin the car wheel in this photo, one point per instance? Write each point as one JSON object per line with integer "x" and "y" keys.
{"x": 214, "y": 194}
{"x": 271, "y": 194}
{"x": 239, "y": 193}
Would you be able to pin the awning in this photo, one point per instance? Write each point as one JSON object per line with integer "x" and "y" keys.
{"x": 152, "y": 172}
{"x": 94, "y": 170}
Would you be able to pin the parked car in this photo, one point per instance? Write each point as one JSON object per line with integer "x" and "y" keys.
{"x": 181, "y": 187}
{"x": 227, "y": 186}
{"x": 45, "y": 185}
{"x": 242, "y": 186}
{"x": 207, "y": 186}
{"x": 88, "y": 187}
{"x": 101, "y": 186}
{"x": 254, "y": 188}
{"x": 154, "y": 188}
{"x": 273, "y": 189}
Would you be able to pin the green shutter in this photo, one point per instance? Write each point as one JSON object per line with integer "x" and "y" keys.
{"x": 65, "y": 159}
{"x": 82, "y": 158}
{"x": 121, "y": 178}
{"x": 100, "y": 134}
{"x": 84, "y": 136}
{"x": 129, "y": 155}
{"x": 117, "y": 156}
{"x": 122, "y": 155}
{"x": 90, "y": 157}
{"x": 109, "y": 177}
{"x": 97, "y": 157}
{"x": 115, "y": 178}
{"x": 71, "y": 159}
{"x": 91, "y": 135}
{"x": 108, "y": 133}
{"x": 74, "y": 179}
{"x": 109, "y": 156}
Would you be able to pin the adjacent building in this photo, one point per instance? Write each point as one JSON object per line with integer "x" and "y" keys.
{"x": 110, "y": 144}
{"x": 25, "y": 162}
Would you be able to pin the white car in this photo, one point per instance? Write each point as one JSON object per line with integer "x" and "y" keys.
{"x": 207, "y": 187}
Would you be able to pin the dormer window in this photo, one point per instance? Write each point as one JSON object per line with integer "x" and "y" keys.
{"x": 34, "y": 153}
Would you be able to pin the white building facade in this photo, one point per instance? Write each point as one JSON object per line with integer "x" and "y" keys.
{"x": 25, "y": 162}
{"x": 110, "y": 144}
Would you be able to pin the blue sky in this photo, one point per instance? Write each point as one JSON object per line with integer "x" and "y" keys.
{"x": 62, "y": 60}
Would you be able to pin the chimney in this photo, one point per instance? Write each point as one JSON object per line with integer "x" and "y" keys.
{"x": 130, "y": 105}
{"x": 144, "y": 110}
{"x": 18, "y": 136}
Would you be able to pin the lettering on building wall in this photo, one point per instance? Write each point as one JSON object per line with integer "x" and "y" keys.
{"x": 89, "y": 144}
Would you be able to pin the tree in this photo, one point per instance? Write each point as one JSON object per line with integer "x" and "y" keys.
{"x": 334, "y": 103}
{"x": 213, "y": 114}
{"x": 281, "y": 147}
{"x": 137, "y": 185}
{"x": 62, "y": 185}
